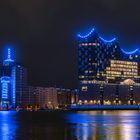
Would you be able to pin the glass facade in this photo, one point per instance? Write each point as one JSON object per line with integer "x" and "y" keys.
{"x": 13, "y": 82}
{"x": 5, "y": 90}
{"x": 107, "y": 73}
{"x": 103, "y": 60}
{"x": 119, "y": 70}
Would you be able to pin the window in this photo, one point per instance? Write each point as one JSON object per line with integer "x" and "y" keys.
{"x": 84, "y": 88}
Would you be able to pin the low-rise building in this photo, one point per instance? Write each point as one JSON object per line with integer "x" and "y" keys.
{"x": 124, "y": 93}
{"x": 49, "y": 97}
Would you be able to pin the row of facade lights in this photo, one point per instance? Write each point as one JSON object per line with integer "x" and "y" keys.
{"x": 105, "y": 102}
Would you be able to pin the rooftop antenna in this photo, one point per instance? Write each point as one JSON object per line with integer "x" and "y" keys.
{"x": 9, "y": 53}
{"x": 8, "y": 59}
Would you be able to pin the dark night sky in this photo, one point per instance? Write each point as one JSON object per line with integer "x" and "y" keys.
{"x": 43, "y": 33}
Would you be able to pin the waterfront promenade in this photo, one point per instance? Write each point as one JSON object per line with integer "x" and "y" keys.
{"x": 104, "y": 107}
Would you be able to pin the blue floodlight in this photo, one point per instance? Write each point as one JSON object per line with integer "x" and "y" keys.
{"x": 9, "y": 53}
{"x": 87, "y": 35}
{"x": 108, "y": 41}
{"x": 13, "y": 84}
{"x": 130, "y": 52}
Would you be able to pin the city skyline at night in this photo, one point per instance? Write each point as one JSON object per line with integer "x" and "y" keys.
{"x": 70, "y": 70}
{"x": 47, "y": 30}
{"x": 86, "y": 35}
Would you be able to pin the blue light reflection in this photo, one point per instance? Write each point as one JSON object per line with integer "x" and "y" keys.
{"x": 8, "y": 125}
{"x": 105, "y": 125}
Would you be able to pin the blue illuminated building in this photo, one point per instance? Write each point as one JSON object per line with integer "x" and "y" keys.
{"x": 95, "y": 59}
{"x": 13, "y": 82}
{"x": 5, "y": 90}
{"x": 108, "y": 74}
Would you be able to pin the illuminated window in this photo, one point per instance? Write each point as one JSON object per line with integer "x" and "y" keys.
{"x": 84, "y": 88}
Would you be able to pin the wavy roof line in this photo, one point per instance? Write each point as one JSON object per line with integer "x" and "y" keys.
{"x": 131, "y": 52}
{"x": 86, "y": 35}
{"x": 91, "y": 31}
{"x": 109, "y": 41}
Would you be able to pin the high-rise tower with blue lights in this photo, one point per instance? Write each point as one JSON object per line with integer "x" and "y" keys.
{"x": 13, "y": 82}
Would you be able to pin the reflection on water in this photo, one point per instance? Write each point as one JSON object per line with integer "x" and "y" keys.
{"x": 108, "y": 125}
{"x": 86, "y": 125}
{"x": 7, "y": 125}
